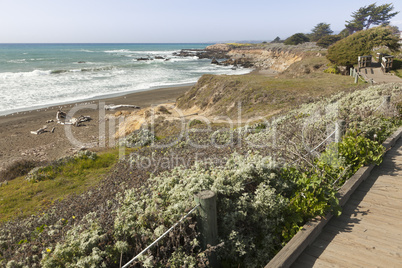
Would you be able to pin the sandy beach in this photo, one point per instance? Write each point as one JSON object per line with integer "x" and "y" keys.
{"x": 18, "y": 143}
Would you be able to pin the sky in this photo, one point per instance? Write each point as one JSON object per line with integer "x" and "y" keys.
{"x": 173, "y": 21}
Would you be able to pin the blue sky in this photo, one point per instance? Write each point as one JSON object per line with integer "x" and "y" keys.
{"x": 135, "y": 21}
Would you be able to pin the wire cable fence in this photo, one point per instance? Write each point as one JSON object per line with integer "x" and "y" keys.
{"x": 159, "y": 238}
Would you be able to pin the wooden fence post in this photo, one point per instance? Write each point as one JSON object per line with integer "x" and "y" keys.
{"x": 356, "y": 77}
{"x": 207, "y": 222}
{"x": 387, "y": 103}
{"x": 339, "y": 130}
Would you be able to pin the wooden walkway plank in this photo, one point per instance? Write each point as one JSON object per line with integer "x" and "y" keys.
{"x": 341, "y": 254}
{"x": 370, "y": 238}
{"x": 352, "y": 253}
{"x": 367, "y": 229}
{"x": 385, "y": 213}
{"x": 368, "y": 203}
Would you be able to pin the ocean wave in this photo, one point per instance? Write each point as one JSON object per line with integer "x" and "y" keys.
{"x": 183, "y": 59}
{"x": 9, "y": 75}
{"x": 119, "y": 51}
{"x": 17, "y": 61}
{"x": 142, "y": 52}
{"x": 95, "y": 69}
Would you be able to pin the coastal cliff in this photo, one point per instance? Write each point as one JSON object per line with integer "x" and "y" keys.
{"x": 275, "y": 57}
{"x": 221, "y": 94}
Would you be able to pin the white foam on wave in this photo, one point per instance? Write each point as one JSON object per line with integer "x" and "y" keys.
{"x": 182, "y": 59}
{"x": 141, "y": 52}
{"x": 9, "y": 75}
{"x": 86, "y": 50}
{"x": 119, "y": 51}
{"x": 17, "y": 61}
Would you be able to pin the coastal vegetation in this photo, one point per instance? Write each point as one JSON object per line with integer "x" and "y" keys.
{"x": 265, "y": 193}
{"x": 261, "y": 95}
{"x": 37, "y": 189}
{"x": 297, "y": 38}
{"x": 319, "y": 31}
{"x": 346, "y": 51}
{"x": 362, "y": 19}
{"x": 370, "y": 15}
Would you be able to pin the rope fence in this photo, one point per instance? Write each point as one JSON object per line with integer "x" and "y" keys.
{"x": 162, "y": 236}
{"x": 339, "y": 129}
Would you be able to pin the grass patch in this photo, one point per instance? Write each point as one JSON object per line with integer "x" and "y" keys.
{"x": 236, "y": 45}
{"x": 261, "y": 95}
{"x": 397, "y": 67}
{"x": 22, "y": 198}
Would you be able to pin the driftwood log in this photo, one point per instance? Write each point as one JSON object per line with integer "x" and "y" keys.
{"x": 76, "y": 121}
{"x": 114, "y": 107}
{"x": 60, "y": 115}
{"x": 40, "y": 131}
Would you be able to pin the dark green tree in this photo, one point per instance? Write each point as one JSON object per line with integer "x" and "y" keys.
{"x": 328, "y": 40}
{"x": 296, "y": 39}
{"x": 277, "y": 40}
{"x": 320, "y": 30}
{"x": 346, "y": 51}
{"x": 344, "y": 33}
{"x": 370, "y": 15}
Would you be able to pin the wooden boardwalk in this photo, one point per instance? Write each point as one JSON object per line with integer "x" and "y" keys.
{"x": 369, "y": 231}
{"x": 378, "y": 76}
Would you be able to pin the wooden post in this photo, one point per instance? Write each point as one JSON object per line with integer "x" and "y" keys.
{"x": 351, "y": 72}
{"x": 339, "y": 130}
{"x": 387, "y": 103}
{"x": 207, "y": 222}
{"x": 356, "y": 78}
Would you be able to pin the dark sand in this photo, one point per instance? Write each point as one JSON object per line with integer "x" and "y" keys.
{"x": 18, "y": 143}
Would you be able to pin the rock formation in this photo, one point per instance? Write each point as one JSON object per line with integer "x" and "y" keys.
{"x": 276, "y": 57}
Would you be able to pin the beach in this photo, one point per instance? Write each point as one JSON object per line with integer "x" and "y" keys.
{"x": 18, "y": 143}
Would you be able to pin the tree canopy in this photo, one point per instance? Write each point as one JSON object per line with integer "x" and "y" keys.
{"x": 277, "y": 40}
{"x": 346, "y": 51}
{"x": 320, "y": 30}
{"x": 370, "y": 15}
{"x": 328, "y": 40}
{"x": 296, "y": 39}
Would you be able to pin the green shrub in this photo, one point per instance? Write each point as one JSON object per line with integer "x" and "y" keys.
{"x": 358, "y": 151}
{"x": 82, "y": 247}
{"x": 195, "y": 122}
{"x": 332, "y": 69}
{"x": 296, "y": 39}
{"x": 249, "y": 218}
{"x": 346, "y": 51}
{"x": 138, "y": 138}
{"x": 328, "y": 40}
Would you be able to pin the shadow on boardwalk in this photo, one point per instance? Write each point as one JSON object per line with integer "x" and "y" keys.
{"x": 369, "y": 231}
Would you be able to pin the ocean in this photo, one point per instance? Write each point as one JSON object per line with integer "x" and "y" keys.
{"x": 41, "y": 75}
